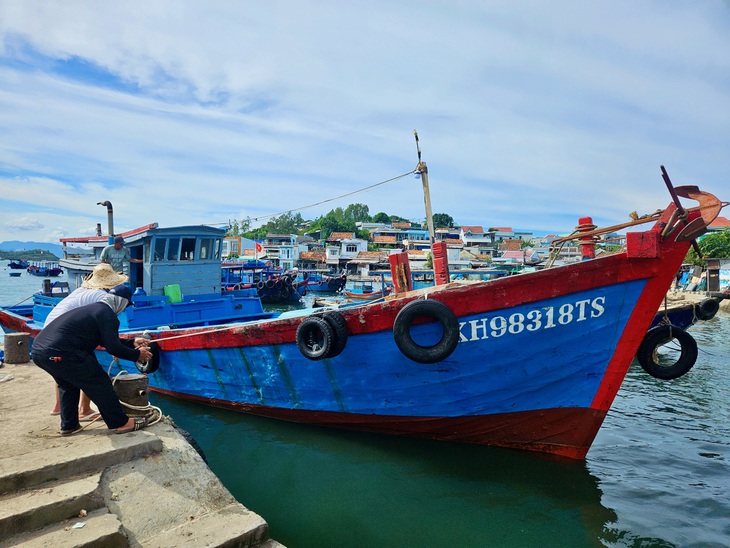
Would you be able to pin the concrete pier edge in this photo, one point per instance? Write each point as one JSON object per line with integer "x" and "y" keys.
{"x": 96, "y": 487}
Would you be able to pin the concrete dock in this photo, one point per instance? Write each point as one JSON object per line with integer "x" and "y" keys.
{"x": 97, "y": 488}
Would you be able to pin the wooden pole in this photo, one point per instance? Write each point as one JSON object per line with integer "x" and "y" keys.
{"x": 423, "y": 170}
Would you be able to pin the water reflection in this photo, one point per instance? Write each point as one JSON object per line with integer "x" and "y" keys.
{"x": 347, "y": 488}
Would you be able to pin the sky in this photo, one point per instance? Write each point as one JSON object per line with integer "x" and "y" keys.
{"x": 530, "y": 114}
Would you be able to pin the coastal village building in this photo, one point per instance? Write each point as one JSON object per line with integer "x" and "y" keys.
{"x": 468, "y": 247}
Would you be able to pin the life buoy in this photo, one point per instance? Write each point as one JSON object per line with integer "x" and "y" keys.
{"x": 153, "y": 364}
{"x": 662, "y": 367}
{"x": 339, "y": 327}
{"x": 435, "y": 310}
{"x": 706, "y": 309}
{"x": 314, "y": 338}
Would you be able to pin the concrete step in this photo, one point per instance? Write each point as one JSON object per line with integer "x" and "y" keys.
{"x": 52, "y": 502}
{"x": 230, "y": 526}
{"x": 89, "y": 452}
{"x": 100, "y": 529}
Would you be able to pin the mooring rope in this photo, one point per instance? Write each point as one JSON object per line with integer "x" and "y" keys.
{"x": 148, "y": 407}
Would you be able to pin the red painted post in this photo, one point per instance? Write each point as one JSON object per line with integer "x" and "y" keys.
{"x": 440, "y": 263}
{"x": 587, "y": 243}
{"x": 400, "y": 271}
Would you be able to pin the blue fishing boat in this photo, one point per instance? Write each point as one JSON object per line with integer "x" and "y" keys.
{"x": 19, "y": 264}
{"x": 272, "y": 285}
{"x": 324, "y": 281}
{"x": 177, "y": 284}
{"x": 532, "y": 361}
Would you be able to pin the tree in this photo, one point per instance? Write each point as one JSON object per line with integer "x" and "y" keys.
{"x": 381, "y": 218}
{"x": 357, "y": 213}
{"x": 285, "y": 223}
{"x": 334, "y": 221}
{"x": 442, "y": 220}
{"x": 715, "y": 245}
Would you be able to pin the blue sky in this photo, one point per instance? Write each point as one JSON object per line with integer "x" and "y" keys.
{"x": 530, "y": 114}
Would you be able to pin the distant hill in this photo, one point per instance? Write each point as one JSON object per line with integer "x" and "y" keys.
{"x": 15, "y": 245}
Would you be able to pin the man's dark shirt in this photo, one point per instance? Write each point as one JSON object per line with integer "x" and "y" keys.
{"x": 76, "y": 333}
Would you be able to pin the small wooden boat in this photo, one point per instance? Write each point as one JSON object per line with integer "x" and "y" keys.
{"x": 366, "y": 291}
{"x": 15, "y": 273}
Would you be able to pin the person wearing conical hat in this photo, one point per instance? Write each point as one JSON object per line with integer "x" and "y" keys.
{"x": 93, "y": 289}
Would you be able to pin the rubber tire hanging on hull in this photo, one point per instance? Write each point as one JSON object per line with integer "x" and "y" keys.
{"x": 339, "y": 327}
{"x": 659, "y": 336}
{"x": 430, "y": 309}
{"x": 154, "y": 362}
{"x": 315, "y": 338}
{"x": 706, "y": 309}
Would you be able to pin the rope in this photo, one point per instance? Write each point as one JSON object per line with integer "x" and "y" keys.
{"x": 333, "y": 199}
{"x": 148, "y": 407}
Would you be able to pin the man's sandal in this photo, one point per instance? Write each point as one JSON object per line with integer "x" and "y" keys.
{"x": 79, "y": 428}
{"x": 139, "y": 423}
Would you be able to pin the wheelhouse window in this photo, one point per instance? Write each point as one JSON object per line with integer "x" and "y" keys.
{"x": 159, "y": 252}
{"x": 173, "y": 249}
{"x": 210, "y": 248}
{"x": 187, "y": 250}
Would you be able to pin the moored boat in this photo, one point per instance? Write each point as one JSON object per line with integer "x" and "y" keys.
{"x": 272, "y": 285}
{"x": 531, "y": 361}
{"x": 45, "y": 270}
{"x": 367, "y": 291}
{"x": 324, "y": 281}
{"x": 19, "y": 264}
{"x": 176, "y": 285}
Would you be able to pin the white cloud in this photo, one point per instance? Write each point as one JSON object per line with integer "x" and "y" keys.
{"x": 530, "y": 114}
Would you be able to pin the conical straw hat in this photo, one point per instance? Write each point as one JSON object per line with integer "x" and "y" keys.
{"x": 103, "y": 277}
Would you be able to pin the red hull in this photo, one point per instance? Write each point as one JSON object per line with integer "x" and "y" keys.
{"x": 566, "y": 432}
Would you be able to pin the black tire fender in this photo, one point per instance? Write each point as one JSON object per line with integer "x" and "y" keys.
{"x": 706, "y": 309}
{"x": 339, "y": 327}
{"x": 154, "y": 362}
{"x": 659, "y": 336}
{"x": 191, "y": 440}
{"x": 259, "y": 285}
{"x": 315, "y": 338}
{"x": 431, "y": 309}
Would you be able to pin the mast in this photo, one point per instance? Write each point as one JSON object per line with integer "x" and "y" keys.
{"x": 422, "y": 170}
